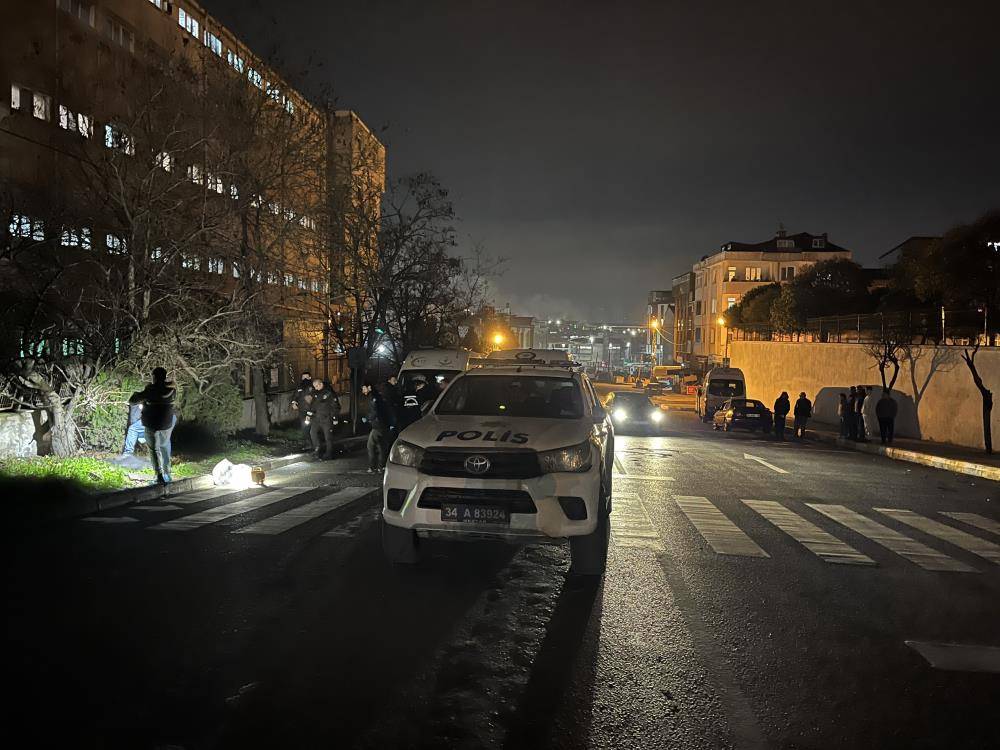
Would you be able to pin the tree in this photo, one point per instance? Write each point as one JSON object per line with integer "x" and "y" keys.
{"x": 788, "y": 311}
{"x": 985, "y": 393}
{"x": 890, "y": 349}
{"x": 754, "y": 308}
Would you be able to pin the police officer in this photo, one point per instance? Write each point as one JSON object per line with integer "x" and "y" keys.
{"x": 300, "y": 405}
{"x": 324, "y": 407}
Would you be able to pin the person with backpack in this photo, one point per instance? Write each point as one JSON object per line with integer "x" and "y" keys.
{"x": 781, "y": 409}
{"x": 803, "y": 410}
{"x": 158, "y": 420}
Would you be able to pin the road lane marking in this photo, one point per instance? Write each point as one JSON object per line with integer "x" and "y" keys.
{"x": 646, "y": 477}
{"x": 912, "y": 550}
{"x": 110, "y": 519}
{"x": 968, "y": 542}
{"x": 197, "y": 496}
{"x": 631, "y": 525}
{"x": 620, "y": 466}
{"x": 980, "y": 522}
{"x": 229, "y": 510}
{"x": 155, "y": 508}
{"x": 762, "y": 462}
{"x": 825, "y": 546}
{"x": 296, "y": 516}
{"x": 722, "y": 535}
{"x": 958, "y": 657}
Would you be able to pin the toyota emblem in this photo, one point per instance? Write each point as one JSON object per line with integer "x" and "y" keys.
{"x": 477, "y": 464}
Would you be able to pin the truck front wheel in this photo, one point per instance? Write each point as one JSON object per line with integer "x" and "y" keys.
{"x": 589, "y": 553}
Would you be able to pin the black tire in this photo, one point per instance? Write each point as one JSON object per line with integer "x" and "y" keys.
{"x": 400, "y": 545}
{"x": 589, "y": 554}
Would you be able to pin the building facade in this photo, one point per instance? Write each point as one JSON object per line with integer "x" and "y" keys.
{"x": 683, "y": 305}
{"x": 660, "y": 326}
{"x": 720, "y": 280}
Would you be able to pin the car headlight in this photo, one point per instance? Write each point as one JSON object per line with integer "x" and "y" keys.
{"x": 620, "y": 415}
{"x": 656, "y": 416}
{"x": 572, "y": 458}
{"x": 405, "y": 454}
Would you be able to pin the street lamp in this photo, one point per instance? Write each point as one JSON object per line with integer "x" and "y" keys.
{"x": 498, "y": 339}
{"x": 725, "y": 332}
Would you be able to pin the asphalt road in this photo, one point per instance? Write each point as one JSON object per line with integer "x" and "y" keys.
{"x": 779, "y": 622}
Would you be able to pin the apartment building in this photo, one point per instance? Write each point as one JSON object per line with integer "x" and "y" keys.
{"x": 660, "y": 326}
{"x": 683, "y": 304}
{"x": 720, "y": 280}
{"x": 71, "y": 66}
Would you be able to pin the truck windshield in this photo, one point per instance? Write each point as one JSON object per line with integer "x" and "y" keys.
{"x": 725, "y": 388}
{"x": 513, "y": 396}
{"x": 408, "y": 378}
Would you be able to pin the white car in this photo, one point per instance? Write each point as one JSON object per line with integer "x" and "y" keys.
{"x": 515, "y": 450}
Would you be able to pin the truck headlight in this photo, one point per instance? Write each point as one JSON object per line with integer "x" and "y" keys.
{"x": 656, "y": 416}
{"x": 620, "y": 415}
{"x": 572, "y": 458}
{"x": 405, "y": 454}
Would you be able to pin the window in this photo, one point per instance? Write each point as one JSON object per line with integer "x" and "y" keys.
{"x": 15, "y": 96}
{"x": 697, "y": 307}
{"x": 786, "y": 243}
{"x": 27, "y": 227}
{"x": 697, "y": 335}
{"x": 788, "y": 273}
{"x": 303, "y": 284}
{"x": 274, "y": 93}
{"x": 730, "y": 273}
{"x": 235, "y": 61}
{"x": 157, "y": 3}
{"x": 234, "y": 192}
{"x": 115, "y": 244}
{"x": 195, "y": 174}
{"x": 72, "y": 237}
{"x": 215, "y": 265}
{"x": 272, "y": 277}
{"x": 711, "y": 335}
{"x": 72, "y": 347}
{"x": 255, "y": 78}
{"x": 119, "y": 33}
{"x": 213, "y": 42}
{"x": 818, "y": 243}
{"x": 213, "y": 182}
{"x": 513, "y": 396}
{"x": 80, "y": 9}
{"x": 314, "y": 285}
{"x": 165, "y": 161}
{"x": 191, "y": 262}
{"x": 75, "y": 123}
{"x": 187, "y": 22}
{"x": 730, "y": 302}
{"x": 156, "y": 253}
{"x": 289, "y": 106}
{"x": 41, "y": 105}
{"x": 117, "y": 139}
{"x": 308, "y": 222}
{"x": 289, "y": 280}
{"x": 714, "y": 304}
{"x": 752, "y": 273}
{"x": 236, "y": 271}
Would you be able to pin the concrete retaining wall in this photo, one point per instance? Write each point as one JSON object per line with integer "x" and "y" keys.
{"x": 937, "y": 399}
{"x": 17, "y": 434}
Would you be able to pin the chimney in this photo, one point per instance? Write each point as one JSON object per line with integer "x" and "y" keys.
{"x": 781, "y": 229}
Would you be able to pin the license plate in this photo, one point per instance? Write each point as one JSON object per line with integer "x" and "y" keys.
{"x": 461, "y": 513}
{"x": 752, "y": 416}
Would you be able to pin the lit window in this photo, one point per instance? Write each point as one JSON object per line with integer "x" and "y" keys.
{"x": 234, "y": 192}
{"x": 76, "y": 238}
{"x": 235, "y": 61}
{"x": 236, "y": 271}
{"x": 165, "y": 161}
{"x": 41, "y": 106}
{"x": 272, "y": 277}
{"x": 195, "y": 174}
{"x": 191, "y": 262}
{"x": 25, "y": 226}
{"x": 156, "y": 253}
{"x": 302, "y": 284}
{"x": 85, "y": 125}
{"x": 67, "y": 120}
{"x": 731, "y": 302}
{"x": 730, "y": 273}
{"x": 818, "y": 243}
{"x": 187, "y": 22}
{"x": 307, "y": 222}
{"x": 752, "y": 273}
{"x": 289, "y": 214}
{"x": 786, "y": 243}
{"x": 115, "y": 138}
{"x": 289, "y": 106}
{"x": 213, "y": 182}
{"x": 157, "y": 3}
{"x": 215, "y": 265}
{"x": 119, "y": 33}
{"x": 289, "y": 280}
{"x": 15, "y": 96}
{"x": 115, "y": 244}
{"x": 213, "y": 42}
{"x": 714, "y": 302}
{"x": 72, "y": 347}
{"x": 78, "y": 9}
{"x": 315, "y": 285}
{"x": 255, "y": 78}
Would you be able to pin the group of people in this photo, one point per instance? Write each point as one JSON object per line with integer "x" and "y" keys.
{"x": 852, "y": 420}
{"x": 151, "y": 420}
{"x": 317, "y": 406}
{"x": 800, "y": 415}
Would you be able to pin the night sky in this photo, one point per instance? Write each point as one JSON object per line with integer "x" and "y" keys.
{"x": 604, "y": 147}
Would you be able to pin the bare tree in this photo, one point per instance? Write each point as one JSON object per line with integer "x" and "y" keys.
{"x": 986, "y": 393}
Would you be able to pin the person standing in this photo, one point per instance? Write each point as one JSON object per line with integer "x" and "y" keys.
{"x": 135, "y": 432}
{"x": 781, "y": 409}
{"x": 324, "y": 406}
{"x": 803, "y": 410}
{"x": 378, "y": 421}
{"x": 886, "y": 409}
{"x": 844, "y": 414}
{"x": 859, "y": 414}
{"x": 300, "y": 405}
{"x": 393, "y": 407}
{"x": 852, "y": 421}
{"x": 158, "y": 420}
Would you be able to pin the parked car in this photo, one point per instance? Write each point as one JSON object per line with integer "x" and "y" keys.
{"x": 745, "y": 413}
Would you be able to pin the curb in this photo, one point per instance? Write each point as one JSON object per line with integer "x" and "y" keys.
{"x": 84, "y": 505}
{"x": 925, "y": 459}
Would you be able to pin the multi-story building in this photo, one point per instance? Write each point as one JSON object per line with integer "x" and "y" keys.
{"x": 660, "y": 326}
{"x": 523, "y": 328}
{"x": 71, "y": 66}
{"x": 721, "y": 280}
{"x": 683, "y": 304}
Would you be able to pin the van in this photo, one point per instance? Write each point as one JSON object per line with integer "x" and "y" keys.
{"x": 720, "y": 385}
{"x": 437, "y": 366}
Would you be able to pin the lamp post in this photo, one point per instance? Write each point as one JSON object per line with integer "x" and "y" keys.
{"x": 654, "y": 326}
{"x": 725, "y": 332}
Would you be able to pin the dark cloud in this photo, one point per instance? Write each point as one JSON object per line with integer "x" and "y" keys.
{"x": 603, "y": 147}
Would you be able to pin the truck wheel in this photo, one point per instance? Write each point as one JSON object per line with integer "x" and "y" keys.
{"x": 399, "y": 545}
{"x": 589, "y": 554}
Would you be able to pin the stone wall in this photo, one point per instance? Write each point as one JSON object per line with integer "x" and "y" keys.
{"x": 17, "y": 434}
{"x": 937, "y": 398}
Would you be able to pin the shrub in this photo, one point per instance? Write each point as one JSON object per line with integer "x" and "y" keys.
{"x": 217, "y": 408}
{"x": 103, "y": 412}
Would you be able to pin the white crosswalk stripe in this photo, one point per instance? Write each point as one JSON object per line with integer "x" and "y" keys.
{"x": 350, "y": 528}
{"x": 722, "y": 535}
{"x": 229, "y": 510}
{"x": 304, "y": 513}
{"x": 975, "y": 545}
{"x": 980, "y": 522}
{"x": 630, "y": 523}
{"x": 825, "y": 546}
{"x": 914, "y": 551}
{"x": 198, "y": 495}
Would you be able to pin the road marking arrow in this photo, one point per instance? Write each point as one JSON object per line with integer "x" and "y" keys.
{"x": 761, "y": 461}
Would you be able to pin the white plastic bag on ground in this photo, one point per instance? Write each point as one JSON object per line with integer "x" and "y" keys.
{"x": 223, "y": 472}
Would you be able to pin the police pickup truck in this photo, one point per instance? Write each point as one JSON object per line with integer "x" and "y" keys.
{"x": 517, "y": 449}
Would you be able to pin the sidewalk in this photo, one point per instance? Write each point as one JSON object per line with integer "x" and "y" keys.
{"x": 954, "y": 458}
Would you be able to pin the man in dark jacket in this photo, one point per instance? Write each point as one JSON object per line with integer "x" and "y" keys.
{"x": 300, "y": 405}
{"x": 158, "y": 419}
{"x": 781, "y": 409}
{"x": 324, "y": 408}
{"x": 886, "y": 409}
{"x": 393, "y": 407}
{"x": 427, "y": 393}
{"x": 378, "y": 421}
{"x": 851, "y": 417}
{"x": 803, "y": 410}
{"x": 859, "y": 414}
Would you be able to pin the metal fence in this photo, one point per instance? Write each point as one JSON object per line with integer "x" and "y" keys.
{"x": 939, "y": 327}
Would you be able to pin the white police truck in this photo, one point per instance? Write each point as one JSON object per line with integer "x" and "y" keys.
{"x": 517, "y": 449}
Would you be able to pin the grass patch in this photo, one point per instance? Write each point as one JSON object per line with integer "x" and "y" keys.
{"x": 87, "y": 473}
